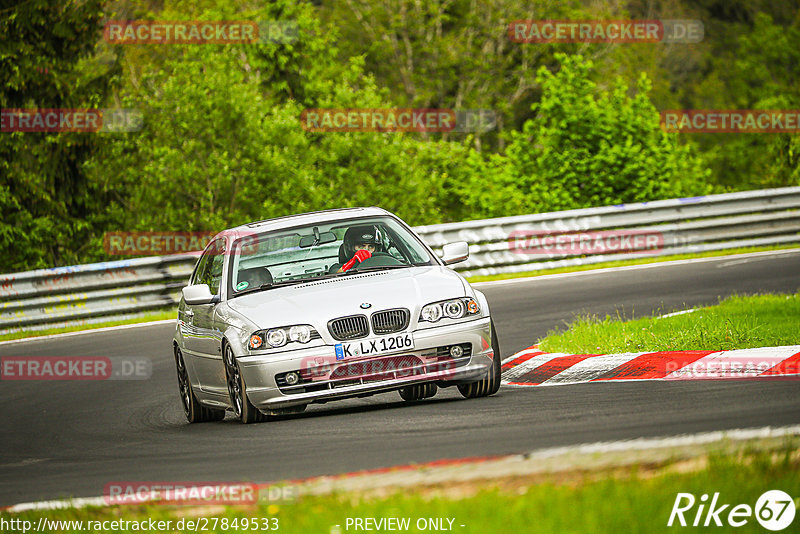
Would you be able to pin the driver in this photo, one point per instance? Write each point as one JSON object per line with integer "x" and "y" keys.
{"x": 360, "y": 242}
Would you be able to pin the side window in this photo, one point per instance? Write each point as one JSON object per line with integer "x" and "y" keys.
{"x": 199, "y": 272}
{"x": 215, "y": 265}
{"x": 393, "y": 249}
{"x": 209, "y": 271}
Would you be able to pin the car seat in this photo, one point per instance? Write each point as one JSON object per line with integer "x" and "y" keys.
{"x": 342, "y": 260}
{"x": 255, "y": 276}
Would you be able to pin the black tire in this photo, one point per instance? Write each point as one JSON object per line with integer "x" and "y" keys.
{"x": 192, "y": 409}
{"x": 241, "y": 405}
{"x": 418, "y": 391}
{"x": 489, "y": 385}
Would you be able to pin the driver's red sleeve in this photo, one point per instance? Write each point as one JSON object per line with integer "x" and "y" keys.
{"x": 359, "y": 256}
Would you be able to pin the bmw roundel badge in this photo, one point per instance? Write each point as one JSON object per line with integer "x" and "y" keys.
{"x": 365, "y": 305}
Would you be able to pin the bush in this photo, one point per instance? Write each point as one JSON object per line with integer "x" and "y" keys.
{"x": 587, "y": 146}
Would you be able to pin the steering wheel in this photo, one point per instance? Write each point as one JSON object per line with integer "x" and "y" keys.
{"x": 379, "y": 259}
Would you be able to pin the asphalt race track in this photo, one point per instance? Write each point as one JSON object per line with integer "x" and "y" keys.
{"x": 71, "y": 438}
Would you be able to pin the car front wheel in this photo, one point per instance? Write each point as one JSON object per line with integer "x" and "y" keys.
{"x": 242, "y": 407}
{"x": 490, "y": 384}
{"x": 192, "y": 409}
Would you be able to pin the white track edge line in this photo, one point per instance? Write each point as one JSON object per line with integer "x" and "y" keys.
{"x": 89, "y": 331}
{"x": 635, "y": 444}
{"x": 632, "y": 267}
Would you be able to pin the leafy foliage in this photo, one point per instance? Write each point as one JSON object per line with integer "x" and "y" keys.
{"x": 222, "y": 142}
{"x": 586, "y": 147}
{"x": 48, "y": 204}
{"x": 223, "y": 139}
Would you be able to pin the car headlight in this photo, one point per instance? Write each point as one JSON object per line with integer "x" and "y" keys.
{"x": 300, "y": 333}
{"x": 452, "y": 309}
{"x": 278, "y": 337}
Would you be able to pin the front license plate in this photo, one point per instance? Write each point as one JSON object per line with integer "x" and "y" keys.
{"x": 374, "y": 346}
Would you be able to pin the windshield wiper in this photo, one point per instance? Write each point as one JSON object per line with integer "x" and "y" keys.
{"x": 271, "y": 285}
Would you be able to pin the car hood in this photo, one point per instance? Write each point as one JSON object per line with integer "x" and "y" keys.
{"x": 318, "y": 302}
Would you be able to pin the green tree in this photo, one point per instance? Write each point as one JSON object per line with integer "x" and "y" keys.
{"x": 748, "y": 60}
{"x": 587, "y": 147}
{"x": 47, "y": 61}
{"x": 454, "y": 53}
{"x": 765, "y": 75}
{"x": 223, "y": 143}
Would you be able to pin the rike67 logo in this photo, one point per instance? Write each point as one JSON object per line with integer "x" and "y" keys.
{"x": 774, "y": 510}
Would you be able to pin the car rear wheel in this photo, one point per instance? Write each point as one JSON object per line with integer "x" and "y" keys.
{"x": 490, "y": 384}
{"x": 192, "y": 409}
{"x": 242, "y": 407}
{"x": 418, "y": 391}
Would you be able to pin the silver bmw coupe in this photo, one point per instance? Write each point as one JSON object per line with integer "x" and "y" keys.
{"x": 324, "y": 306}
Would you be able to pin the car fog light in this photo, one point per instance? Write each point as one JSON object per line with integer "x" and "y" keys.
{"x": 292, "y": 378}
{"x": 456, "y": 351}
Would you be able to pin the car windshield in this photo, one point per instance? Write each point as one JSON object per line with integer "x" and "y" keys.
{"x": 299, "y": 254}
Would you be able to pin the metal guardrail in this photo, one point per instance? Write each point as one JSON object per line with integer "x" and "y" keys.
{"x": 687, "y": 225}
{"x": 96, "y": 292}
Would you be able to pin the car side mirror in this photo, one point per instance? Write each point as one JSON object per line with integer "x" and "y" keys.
{"x": 199, "y": 294}
{"x": 455, "y": 252}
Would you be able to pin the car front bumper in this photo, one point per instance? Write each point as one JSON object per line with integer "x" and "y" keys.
{"x": 334, "y": 380}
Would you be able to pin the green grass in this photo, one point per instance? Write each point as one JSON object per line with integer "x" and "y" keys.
{"x": 737, "y": 322}
{"x": 154, "y": 316}
{"x": 636, "y": 499}
{"x": 642, "y": 261}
